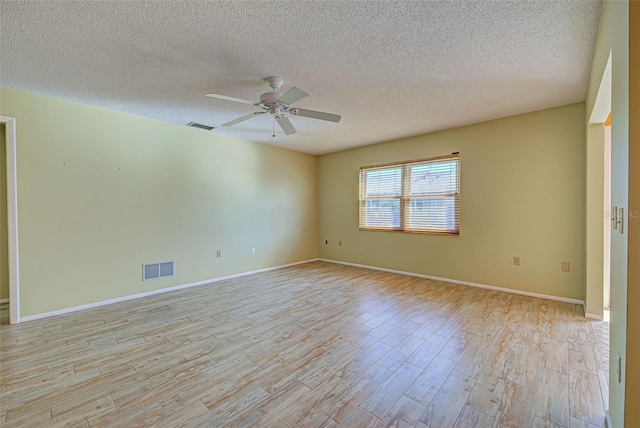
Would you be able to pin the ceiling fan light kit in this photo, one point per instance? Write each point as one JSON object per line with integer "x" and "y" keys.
{"x": 278, "y": 105}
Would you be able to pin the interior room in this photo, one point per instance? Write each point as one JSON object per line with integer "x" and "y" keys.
{"x": 318, "y": 213}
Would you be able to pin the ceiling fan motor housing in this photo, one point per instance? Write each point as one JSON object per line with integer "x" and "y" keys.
{"x": 268, "y": 97}
{"x": 269, "y": 101}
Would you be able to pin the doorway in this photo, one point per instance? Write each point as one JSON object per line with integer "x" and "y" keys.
{"x": 606, "y": 278}
{"x": 598, "y": 237}
{"x": 4, "y": 232}
{"x": 8, "y": 125}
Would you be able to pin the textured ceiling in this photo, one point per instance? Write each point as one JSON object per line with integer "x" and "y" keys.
{"x": 392, "y": 69}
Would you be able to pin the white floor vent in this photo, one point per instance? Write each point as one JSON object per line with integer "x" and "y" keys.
{"x": 157, "y": 270}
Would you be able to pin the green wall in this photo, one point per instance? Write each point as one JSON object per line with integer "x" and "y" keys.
{"x": 522, "y": 194}
{"x": 102, "y": 192}
{"x": 4, "y": 241}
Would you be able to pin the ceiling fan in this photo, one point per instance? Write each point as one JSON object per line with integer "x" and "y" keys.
{"x": 279, "y": 105}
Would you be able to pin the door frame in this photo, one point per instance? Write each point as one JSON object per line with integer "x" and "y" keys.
{"x": 596, "y": 193}
{"x": 12, "y": 218}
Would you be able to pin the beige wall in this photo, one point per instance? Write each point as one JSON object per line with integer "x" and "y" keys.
{"x": 595, "y": 148}
{"x": 4, "y": 241}
{"x": 101, "y": 192}
{"x": 522, "y": 194}
{"x": 613, "y": 39}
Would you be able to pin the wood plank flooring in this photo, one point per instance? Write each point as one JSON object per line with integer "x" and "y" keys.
{"x": 315, "y": 345}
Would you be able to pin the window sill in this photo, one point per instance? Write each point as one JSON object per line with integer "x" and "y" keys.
{"x": 420, "y": 232}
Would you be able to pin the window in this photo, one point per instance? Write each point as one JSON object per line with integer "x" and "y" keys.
{"x": 416, "y": 196}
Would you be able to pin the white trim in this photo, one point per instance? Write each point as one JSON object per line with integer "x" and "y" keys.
{"x": 12, "y": 219}
{"x": 154, "y": 292}
{"x": 455, "y": 281}
{"x": 3, "y": 301}
{"x": 607, "y": 420}
{"x": 593, "y": 316}
{"x": 602, "y": 104}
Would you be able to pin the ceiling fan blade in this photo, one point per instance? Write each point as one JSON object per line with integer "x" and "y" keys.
{"x": 224, "y": 97}
{"x": 292, "y": 95}
{"x": 243, "y": 118}
{"x": 316, "y": 114}
{"x": 286, "y": 125}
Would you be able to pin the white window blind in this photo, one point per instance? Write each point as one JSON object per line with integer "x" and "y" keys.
{"x": 420, "y": 196}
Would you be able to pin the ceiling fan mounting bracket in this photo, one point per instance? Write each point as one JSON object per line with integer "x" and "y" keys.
{"x": 274, "y": 82}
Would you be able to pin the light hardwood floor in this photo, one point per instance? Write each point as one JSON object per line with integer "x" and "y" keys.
{"x": 316, "y": 345}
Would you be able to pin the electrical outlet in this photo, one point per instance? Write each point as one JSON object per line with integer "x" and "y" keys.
{"x": 566, "y": 267}
{"x": 326, "y": 242}
{"x": 219, "y": 253}
{"x": 516, "y": 260}
{"x": 253, "y": 251}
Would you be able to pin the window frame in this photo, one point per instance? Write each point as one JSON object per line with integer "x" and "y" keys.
{"x": 406, "y": 197}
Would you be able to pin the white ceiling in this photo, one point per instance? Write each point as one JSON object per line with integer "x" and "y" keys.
{"x": 391, "y": 68}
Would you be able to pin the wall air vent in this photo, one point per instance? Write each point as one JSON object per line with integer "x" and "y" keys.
{"x": 200, "y": 126}
{"x": 157, "y": 270}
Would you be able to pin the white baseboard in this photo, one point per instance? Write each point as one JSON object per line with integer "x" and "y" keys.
{"x": 455, "y": 281}
{"x": 593, "y": 316}
{"x": 3, "y": 301}
{"x": 154, "y": 292}
{"x": 222, "y": 278}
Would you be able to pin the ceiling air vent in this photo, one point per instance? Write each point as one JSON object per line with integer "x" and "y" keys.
{"x": 157, "y": 270}
{"x": 200, "y": 126}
